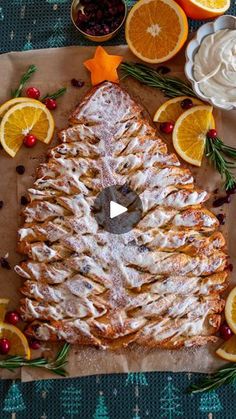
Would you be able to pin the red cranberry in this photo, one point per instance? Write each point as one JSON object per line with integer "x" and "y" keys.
{"x": 30, "y": 140}
{"x": 225, "y": 331}
{"x": 51, "y": 104}
{"x": 4, "y": 346}
{"x": 186, "y": 104}
{"x": 12, "y": 317}
{"x": 212, "y": 133}
{"x": 167, "y": 127}
{"x": 33, "y": 93}
{"x": 34, "y": 344}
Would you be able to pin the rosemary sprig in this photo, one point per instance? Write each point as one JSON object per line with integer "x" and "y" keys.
{"x": 170, "y": 86}
{"x": 224, "y": 375}
{"x": 26, "y": 76}
{"x": 56, "y": 366}
{"x": 55, "y": 95}
{"x": 216, "y": 151}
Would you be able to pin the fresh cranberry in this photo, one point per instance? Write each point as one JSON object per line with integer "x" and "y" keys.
{"x": 167, "y": 127}
{"x": 51, "y": 104}
{"x": 33, "y": 93}
{"x": 12, "y": 317}
{"x": 225, "y": 331}
{"x": 30, "y": 140}
{"x": 186, "y": 104}
{"x": 34, "y": 344}
{"x": 212, "y": 133}
{"x": 4, "y": 346}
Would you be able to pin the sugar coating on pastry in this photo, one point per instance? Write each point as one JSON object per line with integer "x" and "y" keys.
{"x": 159, "y": 285}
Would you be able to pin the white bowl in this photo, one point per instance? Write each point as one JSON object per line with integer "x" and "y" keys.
{"x": 222, "y": 22}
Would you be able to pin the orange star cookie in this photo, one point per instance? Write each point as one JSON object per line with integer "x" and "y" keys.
{"x": 103, "y": 66}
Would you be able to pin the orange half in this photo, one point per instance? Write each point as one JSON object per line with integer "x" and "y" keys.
{"x": 156, "y": 30}
{"x": 204, "y": 9}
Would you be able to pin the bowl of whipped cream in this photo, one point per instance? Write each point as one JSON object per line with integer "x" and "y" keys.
{"x": 211, "y": 62}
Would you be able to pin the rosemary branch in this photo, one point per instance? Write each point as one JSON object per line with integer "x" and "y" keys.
{"x": 55, "y": 95}
{"x": 224, "y": 375}
{"x": 56, "y": 365}
{"x": 170, "y": 86}
{"x": 216, "y": 151}
{"x": 26, "y": 76}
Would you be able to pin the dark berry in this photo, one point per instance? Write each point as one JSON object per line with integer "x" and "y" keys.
{"x": 212, "y": 133}
{"x": 225, "y": 331}
{"x": 51, "y": 104}
{"x": 221, "y": 201}
{"x": 20, "y": 169}
{"x": 77, "y": 83}
{"x": 231, "y": 191}
{"x": 221, "y": 218}
{"x": 33, "y": 93}
{"x": 167, "y": 127}
{"x": 230, "y": 267}
{"x": 12, "y": 317}
{"x": 23, "y": 200}
{"x": 4, "y": 346}
{"x": 30, "y": 140}
{"x": 5, "y": 264}
{"x": 1, "y": 204}
{"x": 186, "y": 104}
{"x": 34, "y": 344}
{"x": 162, "y": 69}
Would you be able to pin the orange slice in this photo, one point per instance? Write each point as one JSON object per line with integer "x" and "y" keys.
{"x": 228, "y": 350}
{"x": 22, "y": 119}
{"x": 230, "y": 310}
{"x": 7, "y": 105}
{"x": 204, "y": 9}
{"x": 18, "y": 341}
{"x": 156, "y": 30}
{"x": 3, "y": 308}
{"x": 171, "y": 110}
{"x": 189, "y": 135}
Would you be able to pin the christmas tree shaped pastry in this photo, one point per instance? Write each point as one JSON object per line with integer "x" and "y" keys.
{"x": 158, "y": 285}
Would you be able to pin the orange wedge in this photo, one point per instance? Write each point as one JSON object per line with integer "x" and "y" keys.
{"x": 22, "y": 119}
{"x": 156, "y": 30}
{"x": 204, "y": 9}
{"x": 228, "y": 350}
{"x": 230, "y": 310}
{"x": 7, "y": 105}
{"x": 3, "y": 308}
{"x": 189, "y": 135}
{"x": 18, "y": 341}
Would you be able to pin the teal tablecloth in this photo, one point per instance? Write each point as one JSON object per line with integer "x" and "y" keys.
{"x": 30, "y": 24}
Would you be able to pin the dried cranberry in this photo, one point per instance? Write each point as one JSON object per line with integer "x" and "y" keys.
{"x": 221, "y": 218}
{"x": 20, "y": 169}
{"x": 5, "y": 264}
{"x": 1, "y": 204}
{"x": 186, "y": 104}
{"x": 24, "y": 200}
{"x": 162, "y": 69}
{"x": 231, "y": 191}
{"x": 77, "y": 83}
{"x": 221, "y": 201}
{"x": 230, "y": 267}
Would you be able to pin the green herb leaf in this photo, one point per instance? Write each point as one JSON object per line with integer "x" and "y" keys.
{"x": 56, "y": 365}
{"x": 26, "y": 76}
{"x": 55, "y": 95}
{"x": 170, "y": 86}
{"x": 224, "y": 375}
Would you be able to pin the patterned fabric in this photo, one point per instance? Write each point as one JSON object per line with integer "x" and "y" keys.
{"x": 32, "y": 24}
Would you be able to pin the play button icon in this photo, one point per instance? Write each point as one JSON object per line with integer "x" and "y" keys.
{"x": 117, "y": 209}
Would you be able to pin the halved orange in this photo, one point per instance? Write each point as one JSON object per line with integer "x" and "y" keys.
{"x": 9, "y": 103}
{"x": 19, "y": 344}
{"x": 230, "y": 310}
{"x": 204, "y": 9}
{"x": 22, "y": 119}
{"x": 156, "y": 29}
{"x": 228, "y": 350}
{"x": 189, "y": 135}
{"x": 3, "y": 308}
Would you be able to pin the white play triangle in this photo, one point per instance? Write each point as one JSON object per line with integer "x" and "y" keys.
{"x": 116, "y": 209}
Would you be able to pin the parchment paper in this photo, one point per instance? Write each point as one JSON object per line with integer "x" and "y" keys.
{"x": 56, "y": 67}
